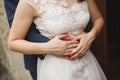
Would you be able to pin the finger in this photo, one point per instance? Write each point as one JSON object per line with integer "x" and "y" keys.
{"x": 72, "y": 46}
{"x": 67, "y": 56}
{"x": 76, "y": 50}
{"x": 83, "y": 49}
{"x": 80, "y": 36}
{"x": 68, "y": 38}
{"x": 77, "y": 38}
{"x": 68, "y": 52}
{"x": 82, "y": 53}
{"x": 62, "y": 36}
{"x": 74, "y": 56}
{"x": 79, "y": 53}
{"x": 72, "y": 42}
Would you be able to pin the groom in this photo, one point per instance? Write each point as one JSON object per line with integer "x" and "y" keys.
{"x": 32, "y": 35}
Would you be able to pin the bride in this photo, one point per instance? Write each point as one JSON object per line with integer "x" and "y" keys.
{"x": 63, "y": 22}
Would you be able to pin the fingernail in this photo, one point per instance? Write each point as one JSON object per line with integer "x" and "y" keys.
{"x": 65, "y": 33}
{"x": 71, "y": 38}
{"x": 71, "y": 53}
{"x": 72, "y": 58}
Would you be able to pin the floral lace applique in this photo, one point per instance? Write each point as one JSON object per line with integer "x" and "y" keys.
{"x": 56, "y": 19}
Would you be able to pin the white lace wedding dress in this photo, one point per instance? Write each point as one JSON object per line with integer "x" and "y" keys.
{"x": 56, "y": 19}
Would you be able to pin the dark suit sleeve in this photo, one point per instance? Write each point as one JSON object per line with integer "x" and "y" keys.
{"x": 89, "y": 26}
{"x": 10, "y": 7}
{"x": 34, "y": 35}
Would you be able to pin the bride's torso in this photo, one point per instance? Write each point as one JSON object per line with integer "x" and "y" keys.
{"x": 56, "y": 17}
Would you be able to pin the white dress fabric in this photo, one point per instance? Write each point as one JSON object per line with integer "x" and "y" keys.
{"x": 56, "y": 19}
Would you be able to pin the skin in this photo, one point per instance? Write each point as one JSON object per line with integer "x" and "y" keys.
{"x": 23, "y": 20}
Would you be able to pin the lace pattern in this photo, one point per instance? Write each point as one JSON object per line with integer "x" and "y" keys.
{"x": 55, "y": 19}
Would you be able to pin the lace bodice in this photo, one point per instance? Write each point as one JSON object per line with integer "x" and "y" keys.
{"x": 55, "y": 19}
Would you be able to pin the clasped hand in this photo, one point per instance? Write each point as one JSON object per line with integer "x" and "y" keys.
{"x": 70, "y": 47}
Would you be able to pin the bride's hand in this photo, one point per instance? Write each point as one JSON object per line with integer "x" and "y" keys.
{"x": 85, "y": 40}
{"x": 59, "y": 46}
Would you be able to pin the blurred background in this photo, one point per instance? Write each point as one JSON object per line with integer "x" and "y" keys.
{"x": 106, "y": 47}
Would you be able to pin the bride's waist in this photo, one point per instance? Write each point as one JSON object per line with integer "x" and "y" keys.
{"x": 51, "y": 34}
{"x": 57, "y": 57}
